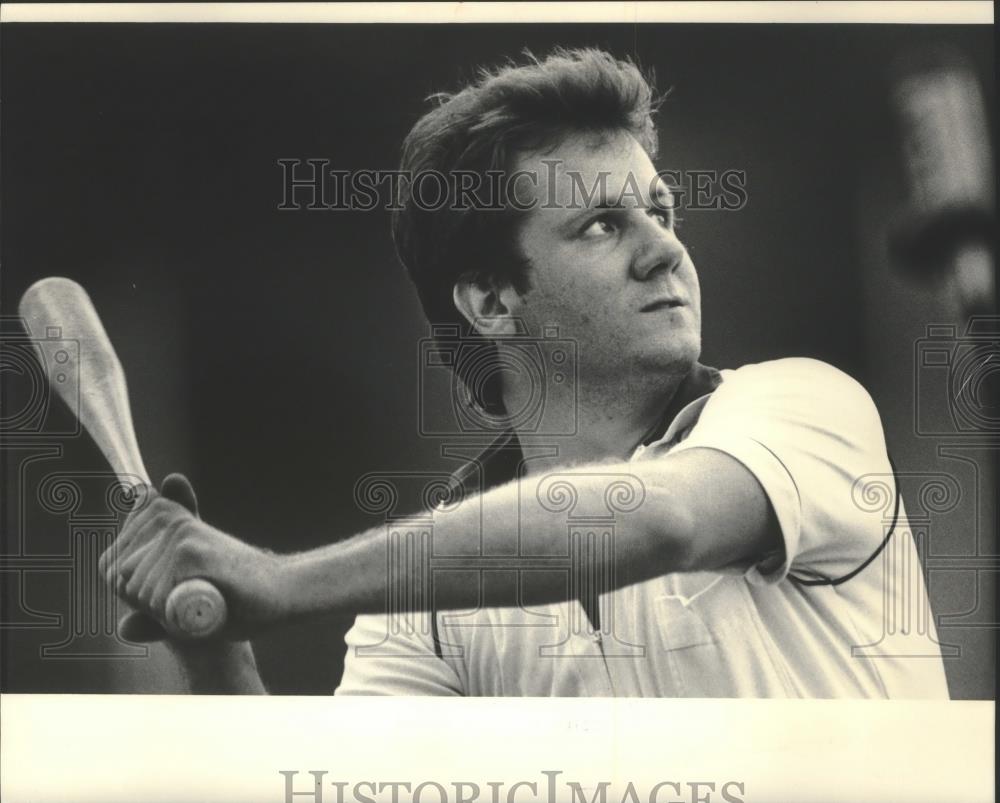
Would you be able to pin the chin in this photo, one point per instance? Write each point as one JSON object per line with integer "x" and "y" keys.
{"x": 680, "y": 352}
{"x": 675, "y": 362}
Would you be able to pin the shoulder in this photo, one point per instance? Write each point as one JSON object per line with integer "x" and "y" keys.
{"x": 805, "y": 403}
{"x": 809, "y": 433}
{"x": 793, "y": 370}
{"x": 797, "y": 383}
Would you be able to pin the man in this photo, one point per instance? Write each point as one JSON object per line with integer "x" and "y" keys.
{"x": 743, "y": 560}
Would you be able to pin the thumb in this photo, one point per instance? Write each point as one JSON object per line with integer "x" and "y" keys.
{"x": 177, "y": 488}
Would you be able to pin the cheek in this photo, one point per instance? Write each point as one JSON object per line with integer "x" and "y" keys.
{"x": 574, "y": 307}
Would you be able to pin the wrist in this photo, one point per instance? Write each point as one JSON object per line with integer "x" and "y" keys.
{"x": 322, "y": 581}
{"x": 284, "y": 586}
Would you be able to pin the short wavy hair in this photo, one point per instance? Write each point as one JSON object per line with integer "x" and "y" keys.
{"x": 510, "y": 110}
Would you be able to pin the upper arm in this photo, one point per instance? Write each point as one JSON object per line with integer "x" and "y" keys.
{"x": 724, "y": 518}
{"x": 774, "y": 464}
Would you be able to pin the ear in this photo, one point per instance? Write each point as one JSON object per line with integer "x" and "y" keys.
{"x": 491, "y": 310}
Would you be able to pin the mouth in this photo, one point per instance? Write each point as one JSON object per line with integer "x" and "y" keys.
{"x": 662, "y": 303}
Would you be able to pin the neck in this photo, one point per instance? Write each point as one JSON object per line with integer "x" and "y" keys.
{"x": 607, "y": 421}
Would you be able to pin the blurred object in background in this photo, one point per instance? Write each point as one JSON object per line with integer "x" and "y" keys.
{"x": 945, "y": 229}
{"x": 926, "y": 188}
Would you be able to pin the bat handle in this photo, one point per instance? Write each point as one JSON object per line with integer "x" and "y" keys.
{"x": 195, "y": 609}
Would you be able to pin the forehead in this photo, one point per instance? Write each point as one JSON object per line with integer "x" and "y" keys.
{"x": 614, "y": 164}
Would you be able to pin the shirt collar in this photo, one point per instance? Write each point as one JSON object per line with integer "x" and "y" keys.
{"x": 500, "y": 461}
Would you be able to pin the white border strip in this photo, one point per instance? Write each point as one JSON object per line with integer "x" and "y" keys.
{"x": 952, "y": 13}
{"x": 228, "y": 749}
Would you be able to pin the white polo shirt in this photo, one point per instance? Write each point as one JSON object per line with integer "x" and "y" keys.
{"x": 844, "y": 615}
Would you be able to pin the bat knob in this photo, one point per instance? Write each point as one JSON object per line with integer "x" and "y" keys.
{"x": 195, "y": 609}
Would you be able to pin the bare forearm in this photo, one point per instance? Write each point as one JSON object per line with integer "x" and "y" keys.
{"x": 624, "y": 523}
{"x": 520, "y": 526}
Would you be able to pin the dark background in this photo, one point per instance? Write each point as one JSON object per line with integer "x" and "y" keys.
{"x": 272, "y": 355}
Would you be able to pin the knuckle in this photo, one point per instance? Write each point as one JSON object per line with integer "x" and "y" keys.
{"x": 145, "y": 593}
{"x": 189, "y": 551}
{"x": 177, "y": 528}
{"x": 128, "y": 589}
{"x": 167, "y": 522}
{"x": 159, "y": 598}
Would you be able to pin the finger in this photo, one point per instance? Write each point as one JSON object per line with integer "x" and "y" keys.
{"x": 138, "y": 560}
{"x": 125, "y": 534}
{"x": 148, "y": 565}
{"x": 125, "y": 568}
{"x": 162, "y": 518}
{"x": 115, "y": 562}
{"x": 177, "y": 488}
{"x": 161, "y": 590}
{"x": 108, "y": 561}
{"x": 117, "y": 568}
{"x": 137, "y": 524}
{"x": 110, "y": 566}
{"x": 138, "y": 627}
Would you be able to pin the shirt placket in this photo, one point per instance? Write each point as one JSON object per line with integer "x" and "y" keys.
{"x": 589, "y": 658}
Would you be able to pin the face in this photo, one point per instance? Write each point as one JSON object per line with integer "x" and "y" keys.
{"x": 610, "y": 273}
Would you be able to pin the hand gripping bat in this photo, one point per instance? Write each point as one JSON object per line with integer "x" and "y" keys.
{"x": 195, "y": 608}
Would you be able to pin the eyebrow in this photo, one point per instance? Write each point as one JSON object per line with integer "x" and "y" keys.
{"x": 664, "y": 196}
{"x": 602, "y": 204}
{"x": 662, "y": 200}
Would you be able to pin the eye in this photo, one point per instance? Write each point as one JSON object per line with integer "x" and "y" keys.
{"x": 598, "y": 227}
{"x": 664, "y": 216}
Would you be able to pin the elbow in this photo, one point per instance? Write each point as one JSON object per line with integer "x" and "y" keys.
{"x": 668, "y": 535}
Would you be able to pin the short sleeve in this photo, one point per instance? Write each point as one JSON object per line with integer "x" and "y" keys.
{"x": 399, "y": 663}
{"x": 809, "y": 433}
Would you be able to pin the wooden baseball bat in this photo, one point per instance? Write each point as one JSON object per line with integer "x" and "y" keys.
{"x": 58, "y": 309}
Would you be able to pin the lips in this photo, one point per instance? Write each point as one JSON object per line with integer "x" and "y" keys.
{"x": 662, "y": 303}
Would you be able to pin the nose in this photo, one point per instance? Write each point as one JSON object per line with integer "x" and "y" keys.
{"x": 659, "y": 251}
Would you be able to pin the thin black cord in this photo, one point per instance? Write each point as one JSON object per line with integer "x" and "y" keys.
{"x": 863, "y": 566}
